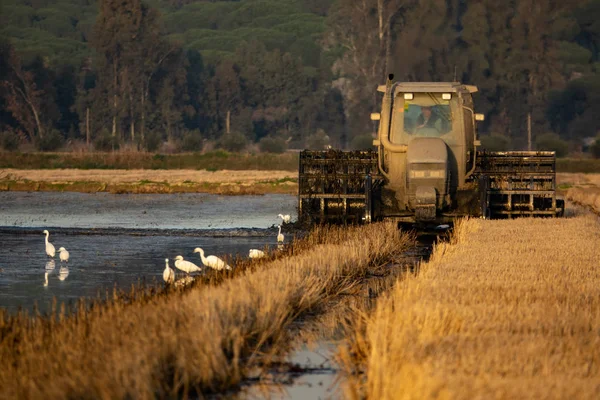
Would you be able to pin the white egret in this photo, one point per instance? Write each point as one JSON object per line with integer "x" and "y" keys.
{"x": 49, "y": 246}
{"x": 255, "y": 253}
{"x": 168, "y": 273}
{"x": 279, "y": 235}
{"x": 50, "y": 264}
{"x": 45, "y": 279}
{"x": 63, "y": 272}
{"x": 212, "y": 261}
{"x": 286, "y": 218}
{"x": 64, "y": 254}
{"x": 186, "y": 266}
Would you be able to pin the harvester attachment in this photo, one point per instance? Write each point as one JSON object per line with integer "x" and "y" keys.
{"x": 337, "y": 186}
{"x": 518, "y": 183}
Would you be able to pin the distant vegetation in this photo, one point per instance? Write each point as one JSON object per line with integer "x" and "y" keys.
{"x": 296, "y": 73}
{"x": 216, "y": 160}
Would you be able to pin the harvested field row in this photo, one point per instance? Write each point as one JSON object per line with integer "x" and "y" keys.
{"x": 114, "y": 176}
{"x": 507, "y": 309}
{"x": 191, "y": 342}
{"x": 589, "y": 197}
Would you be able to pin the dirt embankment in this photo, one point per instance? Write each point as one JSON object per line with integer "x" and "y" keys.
{"x": 150, "y": 181}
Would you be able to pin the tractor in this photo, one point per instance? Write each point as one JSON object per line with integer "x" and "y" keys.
{"x": 425, "y": 166}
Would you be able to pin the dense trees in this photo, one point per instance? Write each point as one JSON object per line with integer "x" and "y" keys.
{"x": 287, "y": 72}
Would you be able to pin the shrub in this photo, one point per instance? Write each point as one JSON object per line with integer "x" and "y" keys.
{"x": 552, "y": 142}
{"x": 9, "y": 141}
{"x": 318, "y": 140}
{"x": 272, "y": 145}
{"x": 106, "y": 142}
{"x": 234, "y": 141}
{"x": 153, "y": 140}
{"x": 595, "y": 148}
{"x": 192, "y": 141}
{"x": 362, "y": 142}
{"x": 495, "y": 142}
{"x": 51, "y": 141}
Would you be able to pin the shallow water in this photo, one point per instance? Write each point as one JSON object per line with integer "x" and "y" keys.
{"x": 142, "y": 211}
{"x": 100, "y": 262}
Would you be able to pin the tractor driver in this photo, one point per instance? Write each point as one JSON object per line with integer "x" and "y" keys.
{"x": 429, "y": 120}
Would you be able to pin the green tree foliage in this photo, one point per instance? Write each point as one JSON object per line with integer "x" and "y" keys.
{"x": 362, "y": 142}
{"x": 192, "y": 141}
{"x": 290, "y": 68}
{"x": 270, "y": 144}
{"x": 234, "y": 141}
{"x": 595, "y": 149}
{"x": 552, "y": 142}
{"x": 495, "y": 142}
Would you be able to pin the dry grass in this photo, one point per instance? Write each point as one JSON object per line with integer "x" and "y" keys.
{"x": 582, "y": 189}
{"x": 508, "y": 309}
{"x": 186, "y": 342}
{"x": 172, "y": 177}
{"x": 589, "y": 197}
{"x": 577, "y": 179}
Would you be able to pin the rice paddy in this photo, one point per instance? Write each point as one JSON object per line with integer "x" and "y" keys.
{"x": 506, "y": 309}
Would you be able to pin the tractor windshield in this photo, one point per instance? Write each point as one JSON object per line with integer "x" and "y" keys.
{"x": 423, "y": 115}
{"x": 427, "y": 115}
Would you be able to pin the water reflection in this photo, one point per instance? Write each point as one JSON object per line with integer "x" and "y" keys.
{"x": 50, "y": 265}
{"x": 45, "y": 279}
{"x": 63, "y": 273}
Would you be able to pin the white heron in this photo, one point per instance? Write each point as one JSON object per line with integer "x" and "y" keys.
{"x": 286, "y": 218}
{"x": 212, "y": 261}
{"x": 255, "y": 253}
{"x": 49, "y": 246}
{"x": 64, "y": 254}
{"x": 280, "y": 236}
{"x": 45, "y": 279}
{"x": 168, "y": 273}
{"x": 50, "y": 264}
{"x": 63, "y": 272}
{"x": 186, "y": 266}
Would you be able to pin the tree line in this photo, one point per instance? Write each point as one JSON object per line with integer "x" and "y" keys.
{"x": 288, "y": 73}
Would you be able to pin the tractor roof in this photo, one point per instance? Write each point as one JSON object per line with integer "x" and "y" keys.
{"x": 430, "y": 87}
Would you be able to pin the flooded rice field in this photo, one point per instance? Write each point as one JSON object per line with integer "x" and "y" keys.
{"x": 120, "y": 240}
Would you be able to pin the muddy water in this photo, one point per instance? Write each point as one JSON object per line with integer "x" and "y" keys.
{"x": 138, "y": 233}
{"x": 310, "y": 371}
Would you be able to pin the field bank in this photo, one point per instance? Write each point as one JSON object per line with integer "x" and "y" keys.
{"x": 508, "y": 309}
{"x": 229, "y": 182}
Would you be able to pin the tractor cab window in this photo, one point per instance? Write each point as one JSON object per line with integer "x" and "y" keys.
{"x": 425, "y": 115}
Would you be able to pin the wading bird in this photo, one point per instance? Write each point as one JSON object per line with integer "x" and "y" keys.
{"x": 186, "y": 266}
{"x": 279, "y": 235}
{"x": 168, "y": 273}
{"x": 49, "y": 246}
{"x": 286, "y": 218}
{"x": 255, "y": 253}
{"x": 64, "y": 254}
{"x": 212, "y": 261}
